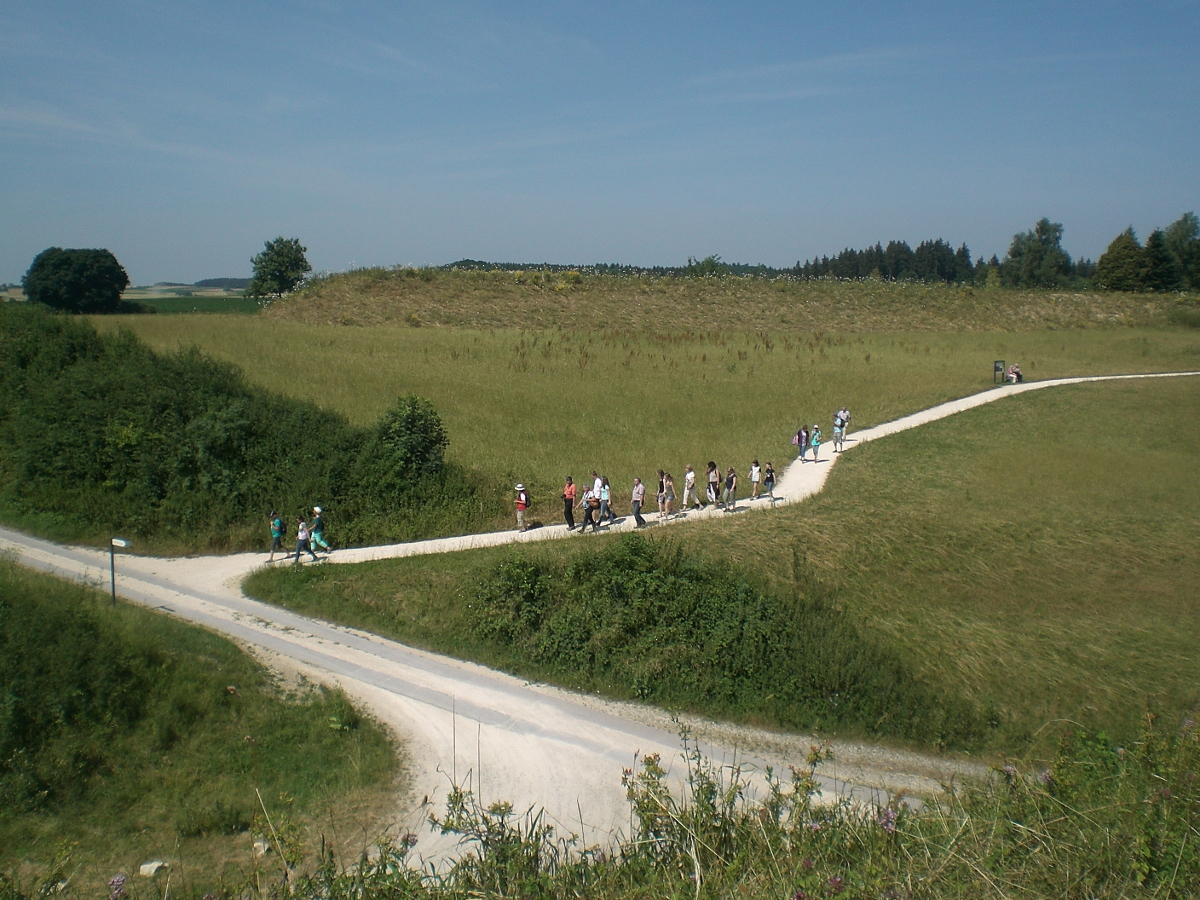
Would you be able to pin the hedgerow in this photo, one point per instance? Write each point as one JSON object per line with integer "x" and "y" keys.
{"x": 101, "y": 435}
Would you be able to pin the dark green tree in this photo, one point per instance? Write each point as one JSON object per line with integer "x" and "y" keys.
{"x": 1183, "y": 240}
{"x": 709, "y": 267}
{"x": 78, "y": 281}
{"x": 1161, "y": 271}
{"x": 1036, "y": 258}
{"x": 1122, "y": 266}
{"x": 279, "y": 268}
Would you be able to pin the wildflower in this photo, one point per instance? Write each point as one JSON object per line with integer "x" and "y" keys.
{"x": 799, "y": 895}
{"x": 1010, "y": 771}
{"x": 1166, "y": 793}
{"x": 807, "y": 863}
{"x": 814, "y": 826}
{"x": 1046, "y": 778}
{"x": 887, "y": 819}
{"x": 837, "y": 884}
{"x": 116, "y": 888}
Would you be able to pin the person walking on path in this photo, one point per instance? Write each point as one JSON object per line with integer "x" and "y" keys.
{"x": 690, "y": 500}
{"x": 661, "y": 498}
{"x": 302, "y": 543}
{"x": 769, "y": 481}
{"x": 714, "y": 484}
{"x": 669, "y": 493}
{"x": 729, "y": 497}
{"x": 801, "y": 441}
{"x": 755, "y": 478}
{"x": 636, "y": 499}
{"x": 839, "y": 430}
{"x": 589, "y": 503}
{"x": 277, "y": 532}
{"x": 568, "y": 496}
{"x": 522, "y": 502}
{"x": 606, "y": 510}
{"x": 318, "y": 530}
{"x": 814, "y": 440}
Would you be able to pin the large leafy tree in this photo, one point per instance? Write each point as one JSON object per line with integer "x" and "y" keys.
{"x": 279, "y": 268}
{"x": 78, "y": 281}
{"x": 1122, "y": 266}
{"x": 1036, "y": 258}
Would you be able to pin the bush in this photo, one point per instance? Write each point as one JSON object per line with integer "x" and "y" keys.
{"x": 648, "y": 621}
{"x": 100, "y": 435}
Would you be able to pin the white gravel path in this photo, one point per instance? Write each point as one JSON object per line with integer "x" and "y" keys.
{"x": 531, "y": 744}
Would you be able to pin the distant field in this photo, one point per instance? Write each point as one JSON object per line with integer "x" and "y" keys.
{"x": 178, "y": 299}
{"x": 537, "y": 406}
{"x": 1035, "y": 556}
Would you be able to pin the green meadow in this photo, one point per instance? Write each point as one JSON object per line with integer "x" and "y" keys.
{"x": 537, "y": 406}
{"x": 1035, "y": 557}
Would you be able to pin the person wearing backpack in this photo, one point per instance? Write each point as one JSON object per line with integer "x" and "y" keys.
{"x": 278, "y": 530}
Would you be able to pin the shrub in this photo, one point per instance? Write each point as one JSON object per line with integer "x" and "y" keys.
{"x": 651, "y": 622}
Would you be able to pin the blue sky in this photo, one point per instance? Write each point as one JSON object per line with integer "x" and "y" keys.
{"x": 183, "y": 135}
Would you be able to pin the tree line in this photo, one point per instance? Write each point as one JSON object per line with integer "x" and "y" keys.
{"x": 1169, "y": 261}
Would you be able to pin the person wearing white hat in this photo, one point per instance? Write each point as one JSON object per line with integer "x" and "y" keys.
{"x": 318, "y": 530}
{"x": 522, "y": 505}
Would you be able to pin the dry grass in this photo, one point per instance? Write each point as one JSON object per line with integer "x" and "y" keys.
{"x": 540, "y": 300}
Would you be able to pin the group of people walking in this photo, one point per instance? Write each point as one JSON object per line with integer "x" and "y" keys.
{"x": 596, "y": 502}
{"x": 308, "y": 535}
{"x": 806, "y": 438}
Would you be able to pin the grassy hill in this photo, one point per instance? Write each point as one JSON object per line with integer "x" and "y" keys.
{"x": 127, "y": 736}
{"x": 536, "y": 300}
{"x": 1031, "y": 557}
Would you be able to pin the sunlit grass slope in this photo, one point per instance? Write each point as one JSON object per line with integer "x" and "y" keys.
{"x": 1036, "y": 557}
{"x": 1039, "y": 553}
{"x": 537, "y": 406}
{"x": 537, "y": 300}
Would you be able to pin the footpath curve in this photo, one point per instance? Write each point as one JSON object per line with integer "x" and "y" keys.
{"x": 531, "y": 744}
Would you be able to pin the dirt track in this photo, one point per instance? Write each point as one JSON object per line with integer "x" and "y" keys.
{"x": 528, "y": 743}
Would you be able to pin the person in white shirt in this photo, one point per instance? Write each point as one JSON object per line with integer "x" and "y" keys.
{"x": 755, "y": 478}
{"x": 690, "y": 500}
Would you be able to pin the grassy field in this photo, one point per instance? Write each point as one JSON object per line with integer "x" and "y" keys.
{"x": 1035, "y": 556}
{"x": 537, "y": 300}
{"x": 537, "y": 406}
{"x": 195, "y": 727}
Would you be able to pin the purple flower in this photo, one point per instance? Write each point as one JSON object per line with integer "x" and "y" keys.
{"x": 807, "y": 863}
{"x": 1046, "y": 778}
{"x": 1010, "y": 771}
{"x": 814, "y": 826}
{"x": 887, "y": 819}
{"x": 116, "y": 888}
{"x": 836, "y": 884}
{"x": 799, "y": 895}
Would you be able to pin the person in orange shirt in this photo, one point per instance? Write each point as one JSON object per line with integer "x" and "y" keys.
{"x": 568, "y": 495}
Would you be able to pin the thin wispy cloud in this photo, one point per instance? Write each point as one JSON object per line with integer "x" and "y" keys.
{"x": 864, "y": 59}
